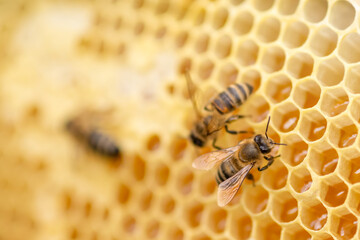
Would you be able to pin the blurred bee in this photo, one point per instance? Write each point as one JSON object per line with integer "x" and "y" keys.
{"x": 236, "y": 163}
{"x": 224, "y": 103}
{"x": 83, "y": 128}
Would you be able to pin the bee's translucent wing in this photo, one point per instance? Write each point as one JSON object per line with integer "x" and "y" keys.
{"x": 228, "y": 188}
{"x": 209, "y": 160}
{"x": 191, "y": 91}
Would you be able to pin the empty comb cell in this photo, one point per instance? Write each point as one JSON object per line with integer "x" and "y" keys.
{"x": 324, "y": 158}
{"x": 307, "y": 93}
{"x": 278, "y": 88}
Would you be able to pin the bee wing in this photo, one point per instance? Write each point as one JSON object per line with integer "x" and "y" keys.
{"x": 228, "y": 188}
{"x": 191, "y": 91}
{"x": 209, "y": 160}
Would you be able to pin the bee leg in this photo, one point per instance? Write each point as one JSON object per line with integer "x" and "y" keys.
{"x": 207, "y": 108}
{"x": 235, "y": 117}
{"x": 251, "y": 177}
{"x": 232, "y": 119}
{"x": 270, "y": 161}
{"x": 266, "y": 166}
{"x": 234, "y": 132}
{"x": 214, "y": 144}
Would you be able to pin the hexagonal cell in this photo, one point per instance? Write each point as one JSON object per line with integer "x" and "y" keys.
{"x": 296, "y": 232}
{"x": 354, "y": 199}
{"x": 348, "y": 49}
{"x": 278, "y": 87}
{"x": 181, "y": 39}
{"x": 124, "y": 194}
{"x": 129, "y": 224}
{"x": 285, "y": 117}
{"x": 200, "y": 236}
{"x": 216, "y": 220}
{"x": 153, "y": 142}
{"x": 184, "y": 65}
{"x": 300, "y": 65}
{"x": 167, "y": 204}
{"x": 220, "y": 17}
{"x": 202, "y": 43}
{"x": 313, "y": 214}
{"x": 258, "y": 107}
{"x": 323, "y": 41}
{"x": 300, "y": 180}
{"x": 306, "y": 93}
{"x": 295, "y": 151}
{"x": 193, "y": 213}
{"x": 330, "y": 71}
{"x": 162, "y": 172}
{"x": 267, "y": 230}
{"x": 161, "y": 7}
{"x": 199, "y": 16}
{"x": 275, "y": 177}
{"x": 323, "y": 158}
{"x": 355, "y": 109}
{"x": 343, "y": 132}
{"x": 252, "y": 77}
{"x": 268, "y": 29}
{"x": 284, "y": 207}
{"x": 175, "y": 233}
{"x": 273, "y": 59}
{"x": 333, "y": 191}
{"x": 146, "y": 200}
{"x": 315, "y": 10}
{"x": 342, "y": 14}
{"x": 352, "y": 79}
{"x": 263, "y": 5}
{"x": 256, "y": 199}
{"x": 243, "y": 22}
{"x": 350, "y": 166}
{"x": 228, "y": 74}
{"x": 334, "y": 101}
{"x": 287, "y": 7}
{"x": 343, "y": 224}
{"x": 223, "y": 46}
{"x": 185, "y": 181}
{"x": 139, "y": 168}
{"x": 313, "y": 125}
{"x": 177, "y": 148}
{"x": 241, "y": 226}
{"x": 206, "y": 67}
{"x": 247, "y": 52}
{"x": 160, "y": 32}
{"x": 152, "y": 229}
{"x": 207, "y": 185}
{"x": 295, "y": 34}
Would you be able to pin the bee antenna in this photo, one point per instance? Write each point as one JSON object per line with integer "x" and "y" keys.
{"x": 267, "y": 127}
{"x": 284, "y": 144}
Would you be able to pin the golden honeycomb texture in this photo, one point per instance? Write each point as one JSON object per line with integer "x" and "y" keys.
{"x": 59, "y": 58}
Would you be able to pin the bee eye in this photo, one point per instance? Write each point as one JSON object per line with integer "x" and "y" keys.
{"x": 196, "y": 141}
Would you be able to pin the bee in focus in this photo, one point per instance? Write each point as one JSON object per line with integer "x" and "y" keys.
{"x": 85, "y": 130}
{"x": 224, "y": 103}
{"x": 236, "y": 163}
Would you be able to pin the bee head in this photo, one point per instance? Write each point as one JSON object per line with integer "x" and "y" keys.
{"x": 196, "y": 140}
{"x": 265, "y": 144}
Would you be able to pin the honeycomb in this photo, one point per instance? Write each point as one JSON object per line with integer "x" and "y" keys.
{"x": 60, "y": 57}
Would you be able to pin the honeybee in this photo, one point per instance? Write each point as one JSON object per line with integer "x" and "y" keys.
{"x": 85, "y": 130}
{"x": 224, "y": 103}
{"x": 236, "y": 163}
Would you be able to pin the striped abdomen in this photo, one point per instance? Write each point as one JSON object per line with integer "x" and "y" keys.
{"x": 227, "y": 169}
{"x": 103, "y": 144}
{"x": 230, "y": 99}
